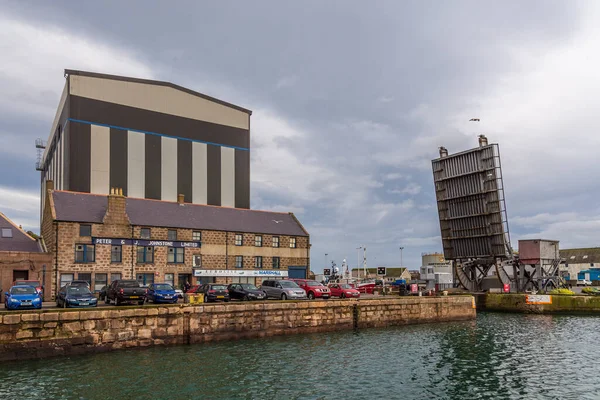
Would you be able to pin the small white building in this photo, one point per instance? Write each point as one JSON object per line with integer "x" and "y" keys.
{"x": 436, "y": 271}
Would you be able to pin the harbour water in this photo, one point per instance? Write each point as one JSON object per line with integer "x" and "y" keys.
{"x": 496, "y": 356}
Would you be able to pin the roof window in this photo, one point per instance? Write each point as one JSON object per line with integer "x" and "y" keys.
{"x": 7, "y": 233}
{"x": 572, "y": 257}
{"x": 584, "y": 257}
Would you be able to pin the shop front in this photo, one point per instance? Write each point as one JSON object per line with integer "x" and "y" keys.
{"x": 237, "y": 276}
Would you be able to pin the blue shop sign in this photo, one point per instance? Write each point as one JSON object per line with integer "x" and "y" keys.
{"x": 145, "y": 243}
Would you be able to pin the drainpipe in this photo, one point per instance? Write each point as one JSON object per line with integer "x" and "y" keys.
{"x": 56, "y": 257}
{"x": 132, "y": 254}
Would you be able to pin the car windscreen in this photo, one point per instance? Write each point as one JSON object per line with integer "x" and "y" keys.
{"x": 289, "y": 284}
{"x": 30, "y": 283}
{"x": 23, "y": 290}
{"x": 346, "y": 286}
{"x": 218, "y": 287}
{"x": 248, "y": 286}
{"x": 313, "y": 283}
{"x": 129, "y": 284}
{"x": 78, "y": 290}
{"x": 163, "y": 286}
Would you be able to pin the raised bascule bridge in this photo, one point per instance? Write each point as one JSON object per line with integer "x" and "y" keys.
{"x": 469, "y": 191}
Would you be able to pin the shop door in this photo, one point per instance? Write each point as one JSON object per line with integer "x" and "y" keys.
{"x": 182, "y": 279}
{"x": 20, "y": 275}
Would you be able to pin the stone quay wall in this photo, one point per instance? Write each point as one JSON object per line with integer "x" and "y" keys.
{"x": 36, "y": 334}
{"x": 539, "y": 304}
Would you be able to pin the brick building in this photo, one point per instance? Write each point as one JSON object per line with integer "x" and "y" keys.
{"x": 100, "y": 238}
{"x": 21, "y": 257}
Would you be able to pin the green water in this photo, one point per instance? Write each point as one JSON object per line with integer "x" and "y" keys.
{"x": 497, "y": 356}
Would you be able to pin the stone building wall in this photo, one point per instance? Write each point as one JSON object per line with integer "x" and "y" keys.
{"x": 64, "y": 332}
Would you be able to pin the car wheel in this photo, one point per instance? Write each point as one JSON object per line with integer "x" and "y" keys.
{"x": 65, "y": 303}
{"x": 311, "y": 296}
{"x": 283, "y": 297}
{"x": 106, "y": 300}
{"x": 343, "y": 295}
{"x": 117, "y": 302}
{"x": 246, "y": 298}
{"x": 227, "y": 300}
{"x": 141, "y": 303}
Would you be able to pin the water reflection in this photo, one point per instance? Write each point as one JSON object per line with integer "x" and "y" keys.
{"x": 496, "y": 356}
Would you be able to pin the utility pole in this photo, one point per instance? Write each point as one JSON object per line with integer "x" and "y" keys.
{"x": 326, "y": 259}
{"x": 365, "y": 261}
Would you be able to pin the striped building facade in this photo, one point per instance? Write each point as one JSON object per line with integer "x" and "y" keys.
{"x": 153, "y": 139}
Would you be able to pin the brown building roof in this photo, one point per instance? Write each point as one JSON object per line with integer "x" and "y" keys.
{"x": 581, "y": 256}
{"x": 20, "y": 241}
{"x": 85, "y": 207}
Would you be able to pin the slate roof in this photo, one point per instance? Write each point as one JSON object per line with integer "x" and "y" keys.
{"x": 20, "y": 241}
{"x": 581, "y": 256}
{"x": 85, "y": 207}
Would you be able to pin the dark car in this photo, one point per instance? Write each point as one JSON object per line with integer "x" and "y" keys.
{"x": 161, "y": 293}
{"x": 246, "y": 291}
{"x": 75, "y": 296}
{"x": 125, "y": 291}
{"x": 212, "y": 292}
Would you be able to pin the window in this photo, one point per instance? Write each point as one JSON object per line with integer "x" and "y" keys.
{"x": 175, "y": 255}
{"x": 197, "y": 260}
{"x": 100, "y": 281}
{"x": 66, "y": 278}
{"x": 584, "y": 257}
{"x": 258, "y": 241}
{"x": 258, "y": 262}
{"x": 85, "y": 276}
{"x": 239, "y": 238}
{"x": 275, "y": 241}
{"x": 170, "y": 279}
{"x": 116, "y": 254}
{"x": 145, "y": 279}
{"x": 6, "y": 233}
{"x": 243, "y": 279}
{"x": 292, "y": 243}
{"x": 145, "y": 255}
{"x": 84, "y": 253}
{"x": 276, "y": 262}
{"x": 239, "y": 261}
{"x": 85, "y": 230}
{"x": 145, "y": 233}
{"x": 172, "y": 234}
{"x": 197, "y": 236}
{"x": 115, "y": 276}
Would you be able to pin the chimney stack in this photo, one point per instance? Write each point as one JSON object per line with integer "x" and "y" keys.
{"x": 482, "y": 141}
{"x": 180, "y": 199}
{"x": 116, "y": 212}
{"x": 443, "y": 152}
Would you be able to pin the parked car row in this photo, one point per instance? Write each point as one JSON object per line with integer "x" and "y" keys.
{"x": 78, "y": 293}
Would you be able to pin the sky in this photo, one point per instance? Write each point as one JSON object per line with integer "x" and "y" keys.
{"x": 350, "y": 101}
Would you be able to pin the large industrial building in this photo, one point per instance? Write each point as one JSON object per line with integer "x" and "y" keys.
{"x": 153, "y": 139}
{"x": 149, "y": 180}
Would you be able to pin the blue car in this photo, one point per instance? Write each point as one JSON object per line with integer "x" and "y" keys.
{"x": 161, "y": 293}
{"x": 22, "y": 296}
{"x": 75, "y": 296}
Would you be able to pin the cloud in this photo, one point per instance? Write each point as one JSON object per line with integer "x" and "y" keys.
{"x": 392, "y": 176}
{"x": 286, "y": 81}
{"x": 385, "y": 99}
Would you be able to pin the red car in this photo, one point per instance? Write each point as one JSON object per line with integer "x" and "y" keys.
{"x": 343, "y": 290}
{"x": 313, "y": 289}
{"x": 36, "y": 284}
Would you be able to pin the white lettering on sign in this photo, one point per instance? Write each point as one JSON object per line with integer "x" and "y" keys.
{"x": 103, "y": 241}
{"x": 160, "y": 243}
{"x": 232, "y": 272}
{"x": 538, "y": 299}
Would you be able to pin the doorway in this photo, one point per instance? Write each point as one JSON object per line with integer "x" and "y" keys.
{"x": 20, "y": 275}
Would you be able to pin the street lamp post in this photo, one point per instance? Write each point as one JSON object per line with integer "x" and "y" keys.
{"x": 358, "y": 262}
{"x": 326, "y": 259}
{"x": 401, "y": 263}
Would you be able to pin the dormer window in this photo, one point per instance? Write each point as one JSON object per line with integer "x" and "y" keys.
{"x": 572, "y": 257}
{"x": 584, "y": 257}
{"x": 7, "y": 233}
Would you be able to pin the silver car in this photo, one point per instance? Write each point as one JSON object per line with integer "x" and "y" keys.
{"x": 282, "y": 289}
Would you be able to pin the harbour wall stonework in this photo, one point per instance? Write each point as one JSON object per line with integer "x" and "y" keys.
{"x": 37, "y": 334}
